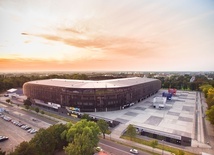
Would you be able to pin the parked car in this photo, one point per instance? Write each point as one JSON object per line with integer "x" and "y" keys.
{"x": 33, "y": 131}
{"x": 98, "y": 149}
{"x": 134, "y": 151}
{"x": 3, "y": 138}
{"x": 6, "y": 118}
{"x": 27, "y": 128}
{"x": 20, "y": 124}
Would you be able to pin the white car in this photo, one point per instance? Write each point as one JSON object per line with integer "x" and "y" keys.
{"x": 134, "y": 151}
{"x": 33, "y": 131}
{"x": 99, "y": 149}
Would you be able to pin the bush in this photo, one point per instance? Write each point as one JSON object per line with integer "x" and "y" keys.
{"x": 26, "y": 106}
{"x": 37, "y": 109}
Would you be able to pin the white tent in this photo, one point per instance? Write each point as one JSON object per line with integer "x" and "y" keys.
{"x": 159, "y": 102}
{"x": 12, "y": 90}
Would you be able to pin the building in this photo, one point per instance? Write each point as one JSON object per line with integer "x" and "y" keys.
{"x": 92, "y": 96}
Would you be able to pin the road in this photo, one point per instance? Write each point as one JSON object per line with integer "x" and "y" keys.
{"x": 117, "y": 149}
{"x": 16, "y": 135}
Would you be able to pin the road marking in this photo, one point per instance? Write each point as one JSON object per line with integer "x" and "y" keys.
{"x": 18, "y": 113}
{"x": 3, "y": 105}
{"x": 114, "y": 148}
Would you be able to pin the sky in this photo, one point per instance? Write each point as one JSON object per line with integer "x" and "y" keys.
{"x": 107, "y": 35}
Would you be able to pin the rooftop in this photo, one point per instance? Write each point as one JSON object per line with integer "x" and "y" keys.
{"x": 113, "y": 83}
{"x": 176, "y": 119}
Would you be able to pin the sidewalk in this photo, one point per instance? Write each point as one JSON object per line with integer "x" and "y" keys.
{"x": 115, "y": 136}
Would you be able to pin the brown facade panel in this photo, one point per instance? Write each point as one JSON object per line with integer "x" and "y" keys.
{"x": 92, "y": 99}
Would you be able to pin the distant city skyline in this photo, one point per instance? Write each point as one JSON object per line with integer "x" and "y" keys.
{"x": 98, "y": 35}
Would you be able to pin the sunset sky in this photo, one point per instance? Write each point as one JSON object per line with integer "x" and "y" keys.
{"x": 106, "y": 35}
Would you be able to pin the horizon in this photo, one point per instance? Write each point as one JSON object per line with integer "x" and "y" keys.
{"x": 122, "y": 71}
{"x": 107, "y": 36}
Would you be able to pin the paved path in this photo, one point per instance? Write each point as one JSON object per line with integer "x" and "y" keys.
{"x": 118, "y": 131}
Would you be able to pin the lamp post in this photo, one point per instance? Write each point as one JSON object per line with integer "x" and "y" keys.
{"x": 163, "y": 147}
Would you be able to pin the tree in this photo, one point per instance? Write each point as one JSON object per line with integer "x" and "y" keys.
{"x": 86, "y": 116}
{"x": 27, "y": 102}
{"x": 131, "y": 131}
{"x": 103, "y": 125}
{"x": 2, "y": 152}
{"x": 210, "y": 114}
{"x": 24, "y": 148}
{"x": 83, "y": 137}
{"x": 210, "y": 98}
{"x": 56, "y": 131}
{"x": 8, "y": 100}
{"x": 205, "y": 88}
{"x": 37, "y": 109}
{"x": 154, "y": 143}
{"x": 42, "y": 112}
{"x": 26, "y": 106}
{"x": 181, "y": 152}
{"x": 44, "y": 142}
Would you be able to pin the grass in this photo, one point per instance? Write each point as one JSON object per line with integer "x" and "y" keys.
{"x": 159, "y": 146}
{"x": 153, "y": 153}
{"x": 52, "y": 115}
{"x": 59, "y": 117}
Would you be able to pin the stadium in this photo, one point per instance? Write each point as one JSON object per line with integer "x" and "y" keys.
{"x": 91, "y": 96}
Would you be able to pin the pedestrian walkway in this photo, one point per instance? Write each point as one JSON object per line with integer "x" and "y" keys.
{"x": 117, "y": 138}
{"x": 118, "y": 132}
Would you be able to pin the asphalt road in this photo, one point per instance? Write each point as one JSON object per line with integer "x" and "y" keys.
{"x": 117, "y": 149}
{"x": 26, "y": 116}
{"x": 16, "y": 135}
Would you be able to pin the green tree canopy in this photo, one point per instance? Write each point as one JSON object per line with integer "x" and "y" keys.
{"x": 181, "y": 152}
{"x": 27, "y": 102}
{"x": 8, "y": 100}
{"x": 131, "y": 131}
{"x": 210, "y": 97}
{"x": 24, "y": 148}
{"x": 27, "y": 107}
{"x": 83, "y": 137}
{"x": 37, "y": 109}
{"x": 103, "y": 125}
{"x": 2, "y": 152}
{"x": 44, "y": 142}
{"x": 56, "y": 130}
{"x": 210, "y": 114}
{"x": 86, "y": 116}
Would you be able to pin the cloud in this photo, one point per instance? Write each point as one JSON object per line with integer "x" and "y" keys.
{"x": 119, "y": 45}
{"x": 70, "y": 30}
{"x": 95, "y": 64}
{"x": 23, "y": 33}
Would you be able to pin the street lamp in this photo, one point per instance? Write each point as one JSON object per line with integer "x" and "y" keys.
{"x": 163, "y": 147}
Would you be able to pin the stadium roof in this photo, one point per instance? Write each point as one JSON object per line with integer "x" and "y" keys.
{"x": 113, "y": 83}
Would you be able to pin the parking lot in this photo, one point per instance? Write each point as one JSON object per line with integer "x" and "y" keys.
{"x": 15, "y": 134}
{"x": 12, "y": 126}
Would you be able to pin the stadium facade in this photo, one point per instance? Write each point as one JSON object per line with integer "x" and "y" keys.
{"x": 92, "y": 96}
